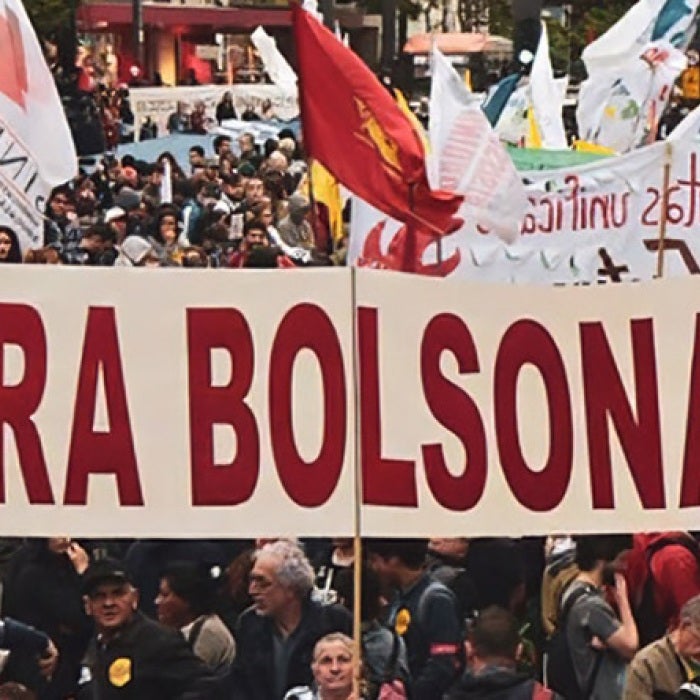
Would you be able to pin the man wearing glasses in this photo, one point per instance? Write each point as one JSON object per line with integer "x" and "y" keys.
{"x": 275, "y": 637}
{"x": 660, "y": 669}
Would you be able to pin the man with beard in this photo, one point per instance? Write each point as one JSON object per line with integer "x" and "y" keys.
{"x": 275, "y": 638}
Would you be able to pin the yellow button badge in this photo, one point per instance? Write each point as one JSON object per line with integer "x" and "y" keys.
{"x": 120, "y": 672}
{"x": 403, "y": 620}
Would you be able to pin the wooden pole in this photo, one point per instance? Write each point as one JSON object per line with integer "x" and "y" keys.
{"x": 668, "y": 159}
{"x": 357, "y": 528}
{"x": 410, "y": 264}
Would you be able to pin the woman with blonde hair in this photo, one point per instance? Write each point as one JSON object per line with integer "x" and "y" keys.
{"x": 333, "y": 665}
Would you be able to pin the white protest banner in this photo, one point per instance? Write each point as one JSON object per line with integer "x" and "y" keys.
{"x": 165, "y": 404}
{"x": 598, "y": 222}
{"x": 496, "y": 410}
{"x": 159, "y": 103}
{"x": 35, "y": 142}
{"x": 133, "y": 404}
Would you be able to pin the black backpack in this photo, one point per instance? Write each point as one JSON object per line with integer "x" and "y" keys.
{"x": 561, "y": 675}
{"x": 650, "y": 626}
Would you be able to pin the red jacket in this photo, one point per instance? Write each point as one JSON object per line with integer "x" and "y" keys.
{"x": 675, "y": 571}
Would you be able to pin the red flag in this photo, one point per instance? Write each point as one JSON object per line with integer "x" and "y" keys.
{"x": 355, "y": 129}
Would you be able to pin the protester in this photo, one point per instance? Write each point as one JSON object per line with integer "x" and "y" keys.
{"x": 10, "y": 251}
{"x": 659, "y": 670}
{"x": 225, "y": 109}
{"x": 333, "y": 665}
{"x": 384, "y": 660}
{"x": 42, "y": 588}
{"x": 130, "y": 651}
{"x": 186, "y": 601}
{"x": 663, "y": 572}
{"x": 422, "y": 611}
{"x": 600, "y": 642}
{"x": 179, "y": 121}
{"x": 275, "y": 638}
{"x": 493, "y": 649}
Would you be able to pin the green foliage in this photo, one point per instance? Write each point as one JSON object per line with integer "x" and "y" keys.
{"x": 48, "y": 16}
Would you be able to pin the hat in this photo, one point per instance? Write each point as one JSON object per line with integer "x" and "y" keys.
{"x": 113, "y": 214}
{"x": 298, "y": 202}
{"x": 127, "y": 199}
{"x": 103, "y": 571}
{"x": 246, "y": 169}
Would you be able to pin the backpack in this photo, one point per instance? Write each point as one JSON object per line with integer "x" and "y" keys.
{"x": 650, "y": 626}
{"x": 388, "y": 685}
{"x": 561, "y": 674}
{"x": 392, "y": 687}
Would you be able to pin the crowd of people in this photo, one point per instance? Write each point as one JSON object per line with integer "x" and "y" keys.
{"x": 594, "y": 617}
{"x": 247, "y": 205}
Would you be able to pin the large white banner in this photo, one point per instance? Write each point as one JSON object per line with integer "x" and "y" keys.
{"x": 599, "y": 222}
{"x": 160, "y": 404}
{"x": 215, "y": 403}
{"x": 159, "y": 103}
{"x": 36, "y": 148}
{"x": 496, "y": 410}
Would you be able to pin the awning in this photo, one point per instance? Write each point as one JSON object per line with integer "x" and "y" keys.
{"x": 448, "y": 43}
{"x": 101, "y": 14}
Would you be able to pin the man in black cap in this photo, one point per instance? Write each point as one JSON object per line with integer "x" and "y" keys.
{"x": 132, "y": 656}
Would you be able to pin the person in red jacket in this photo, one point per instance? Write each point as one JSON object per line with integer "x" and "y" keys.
{"x": 663, "y": 573}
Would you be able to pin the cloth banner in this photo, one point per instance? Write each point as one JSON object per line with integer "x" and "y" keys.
{"x": 159, "y": 103}
{"x": 216, "y": 411}
{"x": 467, "y": 156}
{"x": 35, "y": 141}
{"x": 598, "y": 222}
{"x": 631, "y": 70}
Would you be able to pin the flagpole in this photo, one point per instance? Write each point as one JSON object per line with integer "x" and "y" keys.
{"x": 312, "y": 199}
{"x": 668, "y": 159}
{"x": 410, "y": 264}
{"x": 357, "y": 514}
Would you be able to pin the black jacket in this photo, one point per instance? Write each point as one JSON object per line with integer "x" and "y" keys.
{"x": 146, "y": 661}
{"x": 498, "y": 684}
{"x": 252, "y": 676}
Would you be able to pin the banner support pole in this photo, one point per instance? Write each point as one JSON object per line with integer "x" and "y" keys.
{"x": 357, "y": 512}
{"x": 663, "y": 223}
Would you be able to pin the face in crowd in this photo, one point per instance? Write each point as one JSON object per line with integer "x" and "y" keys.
{"x": 254, "y": 190}
{"x": 111, "y": 605}
{"x": 5, "y": 245}
{"x": 333, "y": 666}
{"x": 168, "y": 229}
{"x": 269, "y": 595}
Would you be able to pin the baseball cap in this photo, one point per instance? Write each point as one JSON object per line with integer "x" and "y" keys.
{"x": 103, "y": 571}
{"x": 114, "y": 213}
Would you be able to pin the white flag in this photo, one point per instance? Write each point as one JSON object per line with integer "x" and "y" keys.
{"x": 311, "y": 6}
{"x": 166, "y": 184}
{"x": 276, "y": 66}
{"x": 547, "y": 98}
{"x": 619, "y": 107}
{"x": 631, "y": 69}
{"x": 467, "y": 156}
{"x": 35, "y": 141}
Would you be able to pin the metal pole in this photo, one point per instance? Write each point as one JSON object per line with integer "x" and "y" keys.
{"x": 137, "y": 22}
